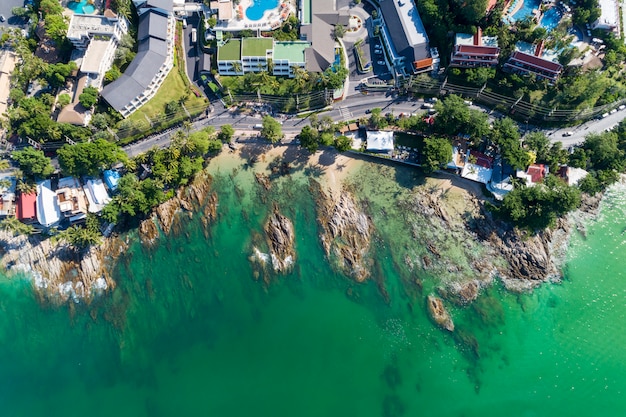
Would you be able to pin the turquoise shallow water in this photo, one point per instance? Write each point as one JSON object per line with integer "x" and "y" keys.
{"x": 190, "y": 332}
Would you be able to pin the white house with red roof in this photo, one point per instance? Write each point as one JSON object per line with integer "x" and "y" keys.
{"x": 478, "y": 167}
{"x": 534, "y": 174}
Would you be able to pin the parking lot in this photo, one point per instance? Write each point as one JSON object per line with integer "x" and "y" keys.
{"x": 5, "y": 10}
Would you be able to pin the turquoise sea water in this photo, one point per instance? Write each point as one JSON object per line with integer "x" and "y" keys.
{"x": 190, "y": 332}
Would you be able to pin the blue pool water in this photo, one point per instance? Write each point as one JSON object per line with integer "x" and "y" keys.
{"x": 255, "y": 12}
{"x": 526, "y": 9}
{"x": 81, "y": 7}
{"x": 550, "y": 19}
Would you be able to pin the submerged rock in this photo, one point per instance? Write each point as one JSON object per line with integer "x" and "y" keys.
{"x": 280, "y": 239}
{"x": 148, "y": 232}
{"x": 439, "y": 313}
{"x": 346, "y": 232}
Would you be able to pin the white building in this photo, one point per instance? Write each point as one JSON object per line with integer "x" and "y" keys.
{"x": 609, "y": 17}
{"x": 98, "y": 37}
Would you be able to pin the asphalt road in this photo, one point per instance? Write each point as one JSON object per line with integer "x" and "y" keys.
{"x": 5, "y": 10}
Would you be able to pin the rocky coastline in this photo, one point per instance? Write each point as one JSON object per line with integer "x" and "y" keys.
{"x": 62, "y": 272}
{"x": 345, "y": 232}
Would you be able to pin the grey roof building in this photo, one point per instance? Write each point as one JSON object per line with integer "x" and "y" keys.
{"x": 153, "y": 61}
{"x": 405, "y": 37}
{"x": 318, "y": 29}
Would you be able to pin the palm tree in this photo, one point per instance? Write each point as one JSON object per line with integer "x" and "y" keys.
{"x": 4, "y": 164}
{"x": 25, "y": 187}
{"x": 235, "y": 66}
{"x": 301, "y": 76}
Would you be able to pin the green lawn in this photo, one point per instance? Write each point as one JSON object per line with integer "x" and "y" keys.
{"x": 172, "y": 89}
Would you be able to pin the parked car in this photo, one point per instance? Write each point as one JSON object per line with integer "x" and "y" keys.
{"x": 427, "y": 106}
{"x": 605, "y": 115}
{"x": 469, "y": 103}
{"x": 568, "y": 133}
{"x": 613, "y": 111}
{"x": 2, "y": 18}
{"x": 431, "y": 100}
{"x": 622, "y": 107}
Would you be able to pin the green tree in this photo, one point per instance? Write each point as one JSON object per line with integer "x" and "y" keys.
{"x": 226, "y": 133}
{"x": 437, "y": 152}
{"x": 50, "y": 7}
{"x": 33, "y": 163}
{"x": 343, "y": 143}
{"x": 506, "y": 135}
{"x": 89, "y": 97}
{"x": 603, "y": 151}
{"x": 63, "y": 100}
{"x": 272, "y": 129}
{"x": 89, "y": 158}
{"x": 339, "y": 31}
{"x": 536, "y": 208}
{"x": 309, "y": 139}
{"x": 453, "y": 115}
{"x": 56, "y": 27}
{"x": 12, "y": 224}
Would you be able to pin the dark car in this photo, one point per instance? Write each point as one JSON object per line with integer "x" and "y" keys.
{"x": 2, "y": 19}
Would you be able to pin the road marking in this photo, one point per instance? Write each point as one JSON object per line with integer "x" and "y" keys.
{"x": 345, "y": 113}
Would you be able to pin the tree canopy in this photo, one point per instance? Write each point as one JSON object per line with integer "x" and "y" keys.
{"x": 33, "y": 163}
{"x": 436, "y": 153}
{"x": 309, "y": 138}
{"x": 535, "y": 208}
{"x": 89, "y": 158}
{"x": 272, "y": 129}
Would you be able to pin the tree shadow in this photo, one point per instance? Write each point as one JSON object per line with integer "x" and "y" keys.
{"x": 252, "y": 153}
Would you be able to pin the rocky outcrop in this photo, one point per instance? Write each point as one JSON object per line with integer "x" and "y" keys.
{"x": 439, "y": 313}
{"x": 530, "y": 258}
{"x": 148, "y": 232}
{"x": 186, "y": 200}
{"x": 58, "y": 270}
{"x": 346, "y": 232}
{"x": 462, "y": 293}
{"x": 280, "y": 239}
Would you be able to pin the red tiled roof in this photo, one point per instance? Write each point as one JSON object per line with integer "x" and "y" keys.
{"x": 26, "y": 206}
{"x": 536, "y": 62}
{"x": 482, "y": 159}
{"x": 491, "y": 4}
{"x": 536, "y": 172}
{"x": 423, "y": 63}
{"x": 482, "y": 50}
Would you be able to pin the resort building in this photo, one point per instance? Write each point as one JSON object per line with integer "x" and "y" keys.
{"x": 153, "y": 62}
{"x": 241, "y": 56}
{"x": 97, "y": 37}
{"x": 472, "y": 51}
{"x": 405, "y": 38}
{"x": 527, "y": 59}
{"x": 522, "y": 63}
{"x": 609, "y": 16}
{"x": 318, "y": 19}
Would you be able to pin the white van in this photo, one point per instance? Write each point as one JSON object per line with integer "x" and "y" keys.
{"x": 184, "y": 23}
{"x": 194, "y": 35}
{"x": 258, "y": 126}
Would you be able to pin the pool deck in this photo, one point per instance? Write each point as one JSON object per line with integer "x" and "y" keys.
{"x": 272, "y": 19}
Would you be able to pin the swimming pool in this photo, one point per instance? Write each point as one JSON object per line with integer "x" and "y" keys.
{"x": 258, "y": 7}
{"x": 550, "y": 19}
{"x": 82, "y": 7}
{"x": 526, "y": 10}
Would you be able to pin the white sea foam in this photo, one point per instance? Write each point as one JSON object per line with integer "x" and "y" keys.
{"x": 260, "y": 256}
{"x": 100, "y": 284}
